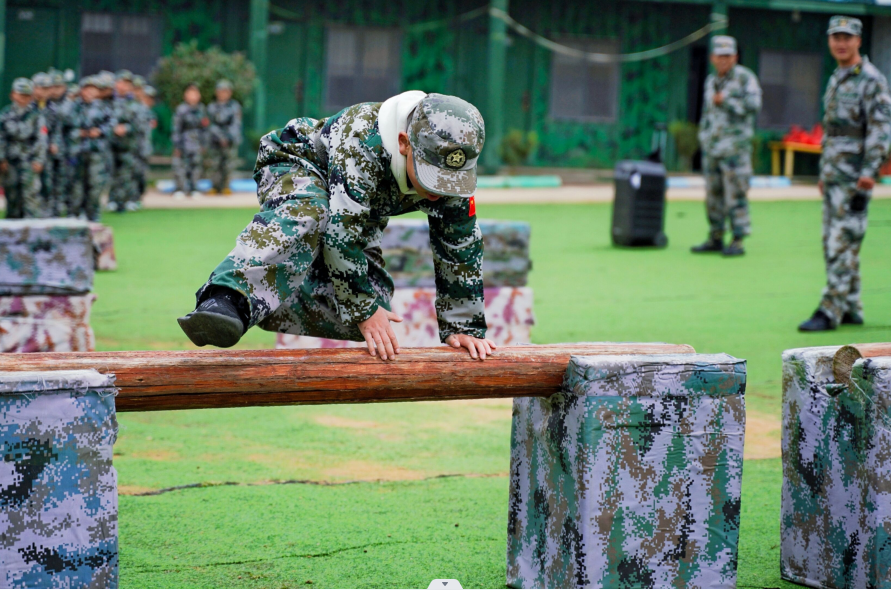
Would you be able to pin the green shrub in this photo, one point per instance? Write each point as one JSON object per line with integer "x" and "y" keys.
{"x": 686, "y": 141}
{"x": 517, "y": 146}
{"x": 186, "y": 64}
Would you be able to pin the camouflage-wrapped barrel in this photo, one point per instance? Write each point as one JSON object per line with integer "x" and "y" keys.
{"x": 630, "y": 477}
{"x": 409, "y": 259}
{"x": 45, "y": 257}
{"x": 46, "y": 323}
{"x": 58, "y": 489}
{"x": 103, "y": 247}
{"x": 508, "y": 316}
{"x": 836, "y": 506}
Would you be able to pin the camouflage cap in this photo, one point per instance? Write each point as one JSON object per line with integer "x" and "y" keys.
{"x": 23, "y": 86}
{"x": 723, "y": 45}
{"x": 105, "y": 79}
{"x": 845, "y": 24}
{"x": 139, "y": 81}
{"x": 447, "y": 135}
{"x": 57, "y": 78}
{"x": 224, "y": 85}
{"x": 124, "y": 75}
{"x": 42, "y": 80}
{"x": 150, "y": 91}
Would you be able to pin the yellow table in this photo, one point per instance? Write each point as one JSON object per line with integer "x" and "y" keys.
{"x": 790, "y": 147}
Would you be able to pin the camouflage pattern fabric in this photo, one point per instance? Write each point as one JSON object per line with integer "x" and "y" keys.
{"x": 103, "y": 247}
{"x": 46, "y": 323}
{"x": 45, "y": 257}
{"x": 725, "y": 134}
{"x": 836, "y": 504}
{"x": 148, "y": 122}
{"x": 225, "y": 137}
{"x": 64, "y": 161}
{"x": 630, "y": 477}
{"x": 509, "y": 320}
{"x": 92, "y": 173}
{"x": 409, "y": 259}
{"x": 58, "y": 493}
{"x": 23, "y": 143}
{"x": 53, "y": 122}
{"x": 856, "y": 141}
{"x": 189, "y": 137}
{"x": 125, "y": 151}
{"x": 310, "y": 262}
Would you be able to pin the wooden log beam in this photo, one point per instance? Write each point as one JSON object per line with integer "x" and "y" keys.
{"x": 181, "y": 380}
{"x": 846, "y": 356}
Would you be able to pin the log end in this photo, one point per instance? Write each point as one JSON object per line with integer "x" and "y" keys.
{"x": 843, "y": 363}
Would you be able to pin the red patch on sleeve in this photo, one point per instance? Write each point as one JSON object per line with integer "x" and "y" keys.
{"x": 472, "y": 207}
{"x": 43, "y": 130}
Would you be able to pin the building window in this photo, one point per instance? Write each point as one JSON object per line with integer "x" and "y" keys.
{"x": 119, "y": 41}
{"x": 790, "y": 81}
{"x": 582, "y": 90}
{"x": 363, "y": 65}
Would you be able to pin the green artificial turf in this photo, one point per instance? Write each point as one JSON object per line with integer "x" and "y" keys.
{"x": 283, "y": 535}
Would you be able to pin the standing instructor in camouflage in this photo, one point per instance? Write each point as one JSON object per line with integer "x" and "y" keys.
{"x": 857, "y": 134}
{"x": 310, "y": 262}
{"x": 732, "y": 101}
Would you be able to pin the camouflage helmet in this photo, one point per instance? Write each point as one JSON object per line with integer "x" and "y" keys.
{"x": 23, "y": 86}
{"x": 124, "y": 75}
{"x": 845, "y": 24}
{"x": 447, "y": 135}
{"x": 138, "y": 81}
{"x": 224, "y": 85}
{"x": 723, "y": 45}
{"x": 42, "y": 80}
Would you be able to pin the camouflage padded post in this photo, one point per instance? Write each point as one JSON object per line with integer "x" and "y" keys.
{"x": 45, "y": 257}
{"x": 103, "y": 247}
{"x": 46, "y": 323}
{"x": 58, "y": 489}
{"x": 409, "y": 259}
{"x": 836, "y": 508}
{"x": 630, "y": 477}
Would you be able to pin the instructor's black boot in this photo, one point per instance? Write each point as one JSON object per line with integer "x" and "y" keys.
{"x": 219, "y": 320}
{"x": 854, "y": 319}
{"x": 819, "y": 322}
{"x": 713, "y": 244}
{"x": 734, "y": 248}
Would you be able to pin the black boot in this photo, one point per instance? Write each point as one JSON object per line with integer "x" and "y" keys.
{"x": 734, "y": 248}
{"x": 854, "y": 319}
{"x": 819, "y": 322}
{"x": 713, "y": 244}
{"x": 219, "y": 320}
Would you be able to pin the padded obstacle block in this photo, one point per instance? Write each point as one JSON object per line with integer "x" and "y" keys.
{"x": 46, "y": 323}
{"x": 836, "y": 505}
{"x": 103, "y": 247}
{"x": 58, "y": 489}
{"x": 630, "y": 477}
{"x": 508, "y": 315}
{"x": 45, "y": 257}
{"x": 409, "y": 258}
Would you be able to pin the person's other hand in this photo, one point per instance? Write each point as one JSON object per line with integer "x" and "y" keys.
{"x": 4, "y": 166}
{"x": 719, "y": 98}
{"x": 95, "y": 132}
{"x": 866, "y": 183}
{"x": 820, "y": 186}
{"x": 120, "y": 130}
{"x": 37, "y": 167}
{"x": 478, "y": 347}
{"x": 53, "y": 149}
{"x": 175, "y": 153}
{"x": 379, "y": 336}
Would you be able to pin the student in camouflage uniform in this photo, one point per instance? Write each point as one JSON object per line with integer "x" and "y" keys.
{"x": 225, "y": 136}
{"x": 857, "y": 134}
{"x": 310, "y": 262}
{"x": 125, "y": 145}
{"x": 23, "y": 148}
{"x": 146, "y": 96}
{"x": 732, "y": 101}
{"x": 42, "y": 89}
{"x": 95, "y": 124}
{"x": 63, "y": 164}
{"x": 189, "y": 130}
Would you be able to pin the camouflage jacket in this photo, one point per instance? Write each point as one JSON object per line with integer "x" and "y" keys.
{"x": 147, "y": 121}
{"x": 53, "y": 120}
{"x": 189, "y": 127}
{"x": 727, "y": 129}
{"x": 23, "y": 134}
{"x": 346, "y": 159}
{"x": 127, "y": 112}
{"x": 96, "y": 114}
{"x": 856, "y": 123}
{"x": 225, "y": 122}
{"x": 67, "y": 112}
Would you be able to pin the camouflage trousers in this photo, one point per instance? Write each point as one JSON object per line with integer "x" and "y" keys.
{"x": 844, "y": 227}
{"x": 124, "y": 185}
{"x": 90, "y": 179}
{"x": 22, "y": 187}
{"x": 219, "y": 161}
{"x": 142, "y": 168}
{"x": 61, "y": 173}
{"x": 186, "y": 169}
{"x": 727, "y": 185}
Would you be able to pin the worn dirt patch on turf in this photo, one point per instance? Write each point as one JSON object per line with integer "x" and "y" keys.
{"x": 763, "y": 436}
{"x": 369, "y": 470}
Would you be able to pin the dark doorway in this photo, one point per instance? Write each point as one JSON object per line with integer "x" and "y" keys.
{"x": 695, "y": 88}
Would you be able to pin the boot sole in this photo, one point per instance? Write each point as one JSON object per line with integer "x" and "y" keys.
{"x": 705, "y": 251}
{"x": 216, "y": 329}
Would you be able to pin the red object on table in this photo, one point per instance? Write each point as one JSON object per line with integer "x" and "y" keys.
{"x": 799, "y": 135}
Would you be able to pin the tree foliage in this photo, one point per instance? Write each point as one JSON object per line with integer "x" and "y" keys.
{"x": 187, "y": 64}
{"x": 517, "y": 147}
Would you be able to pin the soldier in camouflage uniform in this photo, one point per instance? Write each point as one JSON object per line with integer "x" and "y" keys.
{"x": 95, "y": 124}
{"x": 125, "y": 144}
{"x": 63, "y": 164}
{"x": 310, "y": 262}
{"x": 189, "y": 130}
{"x": 732, "y": 101}
{"x": 42, "y": 90}
{"x": 23, "y": 147}
{"x": 146, "y": 96}
{"x": 857, "y": 134}
{"x": 225, "y": 136}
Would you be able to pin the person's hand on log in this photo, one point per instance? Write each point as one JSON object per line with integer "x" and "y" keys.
{"x": 478, "y": 347}
{"x": 379, "y": 336}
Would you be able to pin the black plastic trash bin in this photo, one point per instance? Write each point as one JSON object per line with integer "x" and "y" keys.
{"x": 639, "y": 204}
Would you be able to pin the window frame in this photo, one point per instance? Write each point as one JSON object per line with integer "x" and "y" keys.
{"x": 117, "y": 61}
{"x": 591, "y": 45}
{"x": 818, "y": 84}
{"x": 395, "y": 70}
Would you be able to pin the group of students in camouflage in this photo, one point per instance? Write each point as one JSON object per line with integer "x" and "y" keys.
{"x": 856, "y": 142}
{"x": 62, "y": 145}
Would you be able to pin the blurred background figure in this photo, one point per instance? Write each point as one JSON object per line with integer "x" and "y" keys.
{"x": 95, "y": 121}
{"x": 190, "y": 124}
{"x": 23, "y": 150}
{"x": 224, "y": 135}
